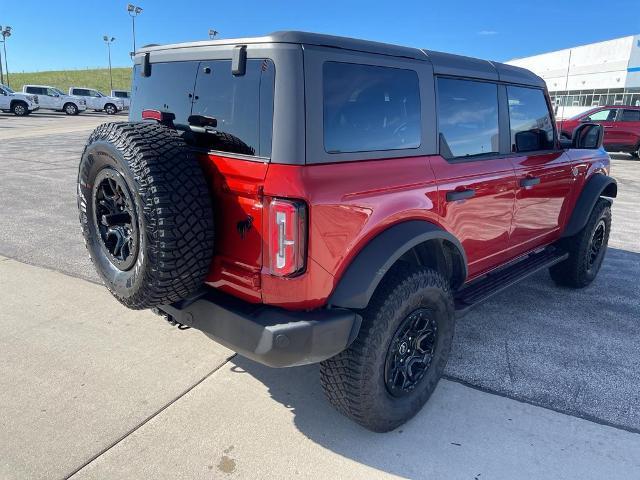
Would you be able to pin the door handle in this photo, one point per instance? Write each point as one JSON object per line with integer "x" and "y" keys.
{"x": 454, "y": 195}
{"x": 529, "y": 182}
{"x": 607, "y": 126}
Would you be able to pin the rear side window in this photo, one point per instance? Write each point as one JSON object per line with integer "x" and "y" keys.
{"x": 531, "y": 126}
{"x": 121, "y": 94}
{"x": 242, "y": 105}
{"x": 37, "y": 90}
{"x": 467, "y": 118}
{"x": 630, "y": 116}
{"x": 602, "y": 116}
{"x": 368, "y": 108}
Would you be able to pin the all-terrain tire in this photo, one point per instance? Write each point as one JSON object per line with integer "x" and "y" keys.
{"x": 583, "y": 264}
{"x": 230, "y": 143}
{"x": 354, "y": 380}
{"x": 170, "y": 211}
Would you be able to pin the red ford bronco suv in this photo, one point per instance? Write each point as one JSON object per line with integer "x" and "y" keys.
{"x": 307, "y": 198}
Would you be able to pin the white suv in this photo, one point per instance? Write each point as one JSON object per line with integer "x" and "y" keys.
{"x": 19, "y": 104}
{"x": 53, "y": 99}
{"x": 123, "y": 95}
{"x": 98, "y": 101}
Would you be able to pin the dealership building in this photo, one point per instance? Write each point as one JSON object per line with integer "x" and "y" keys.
{"x": 580, "y": 78}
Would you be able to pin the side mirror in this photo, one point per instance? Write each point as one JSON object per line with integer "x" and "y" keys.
{"x": 586, "y": 136}
{"x": 585, "y": 120}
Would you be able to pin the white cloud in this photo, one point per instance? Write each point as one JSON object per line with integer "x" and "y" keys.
{"x": 487, "y": 32}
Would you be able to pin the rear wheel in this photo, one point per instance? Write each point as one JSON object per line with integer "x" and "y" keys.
{"x": 586, "y": 250}
{"x": 385, "y": 377}
{"x": 146, "y": 213}
{"x": 70, "y": 109}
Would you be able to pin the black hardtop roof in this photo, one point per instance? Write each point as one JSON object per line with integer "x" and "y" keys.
{"x": 443, "y": 63}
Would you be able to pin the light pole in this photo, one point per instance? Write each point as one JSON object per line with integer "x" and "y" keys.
{"x": 6, "y": 33}
{"x": 109, "y": 41}
{"x": 213, "y": 33}
{"x": 1, "y": 70}
{"x": 134, "y": 11}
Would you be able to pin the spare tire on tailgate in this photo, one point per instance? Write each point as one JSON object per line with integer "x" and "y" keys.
{"x": 146, "y": 213}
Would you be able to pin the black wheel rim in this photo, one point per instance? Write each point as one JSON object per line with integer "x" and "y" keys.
{"x": 115, "y": 219}
{"x": 597, "y": 242}
{"x": 411, "y": 352}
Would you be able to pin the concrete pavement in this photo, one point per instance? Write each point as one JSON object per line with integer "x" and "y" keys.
{"x": 78, "y": 371}
{"x": 89, "y": 387}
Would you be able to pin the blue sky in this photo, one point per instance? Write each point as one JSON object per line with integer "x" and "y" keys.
{"x": 65, "y": 34}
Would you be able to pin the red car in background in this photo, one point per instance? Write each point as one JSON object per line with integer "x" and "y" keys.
{"x": 621, "y": 125}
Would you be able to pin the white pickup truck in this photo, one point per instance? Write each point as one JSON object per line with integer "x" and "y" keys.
{"x": 123, "y": 95}
{"x": 97, "y": 100}
{"x": 19, "y": 104}
{"x": 51, "y": 98}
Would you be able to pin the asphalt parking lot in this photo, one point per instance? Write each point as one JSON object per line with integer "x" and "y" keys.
{"x": 540, "y": 378}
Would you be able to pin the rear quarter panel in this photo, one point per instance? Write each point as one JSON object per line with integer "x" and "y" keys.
{"x": 349, "y": 203}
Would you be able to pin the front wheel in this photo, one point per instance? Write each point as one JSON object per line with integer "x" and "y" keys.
{"x": 20, "y": 109}
{"x": 70, "y": 109}
{"x": 586, "y": 250}
{"x": 110, "y": 109}
{"x": 385, "y": 377}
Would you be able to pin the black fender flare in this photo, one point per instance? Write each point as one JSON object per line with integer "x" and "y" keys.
{"x": 364, "y": 273}
{"x": 592, "y": 191}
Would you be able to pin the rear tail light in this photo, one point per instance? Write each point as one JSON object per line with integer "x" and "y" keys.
{"x": 287, "y": 237}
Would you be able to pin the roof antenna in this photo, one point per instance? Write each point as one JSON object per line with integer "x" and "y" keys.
{"x": 566, "y": 87}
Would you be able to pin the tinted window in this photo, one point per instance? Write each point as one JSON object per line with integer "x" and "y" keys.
{"x": 167, "y": 89}
{"x": 467, "y": 118}
{"x": 36, "y": 90}
{"x": 531, "y": 126}
{"x": 242, "y": 105}
{"x": 370, "y": 108}
{"x": 81, "y": 92}
{"x": 630, "y": 116}
{"x": 121, "y": 94}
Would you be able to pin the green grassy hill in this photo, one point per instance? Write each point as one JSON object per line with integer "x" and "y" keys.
{"x": 95, "y": 78}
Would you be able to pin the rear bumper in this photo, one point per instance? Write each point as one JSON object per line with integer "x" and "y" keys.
{"x": 269, "y": 335}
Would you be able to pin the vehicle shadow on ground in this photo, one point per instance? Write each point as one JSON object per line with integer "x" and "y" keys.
{"x": 573, "y": 351}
